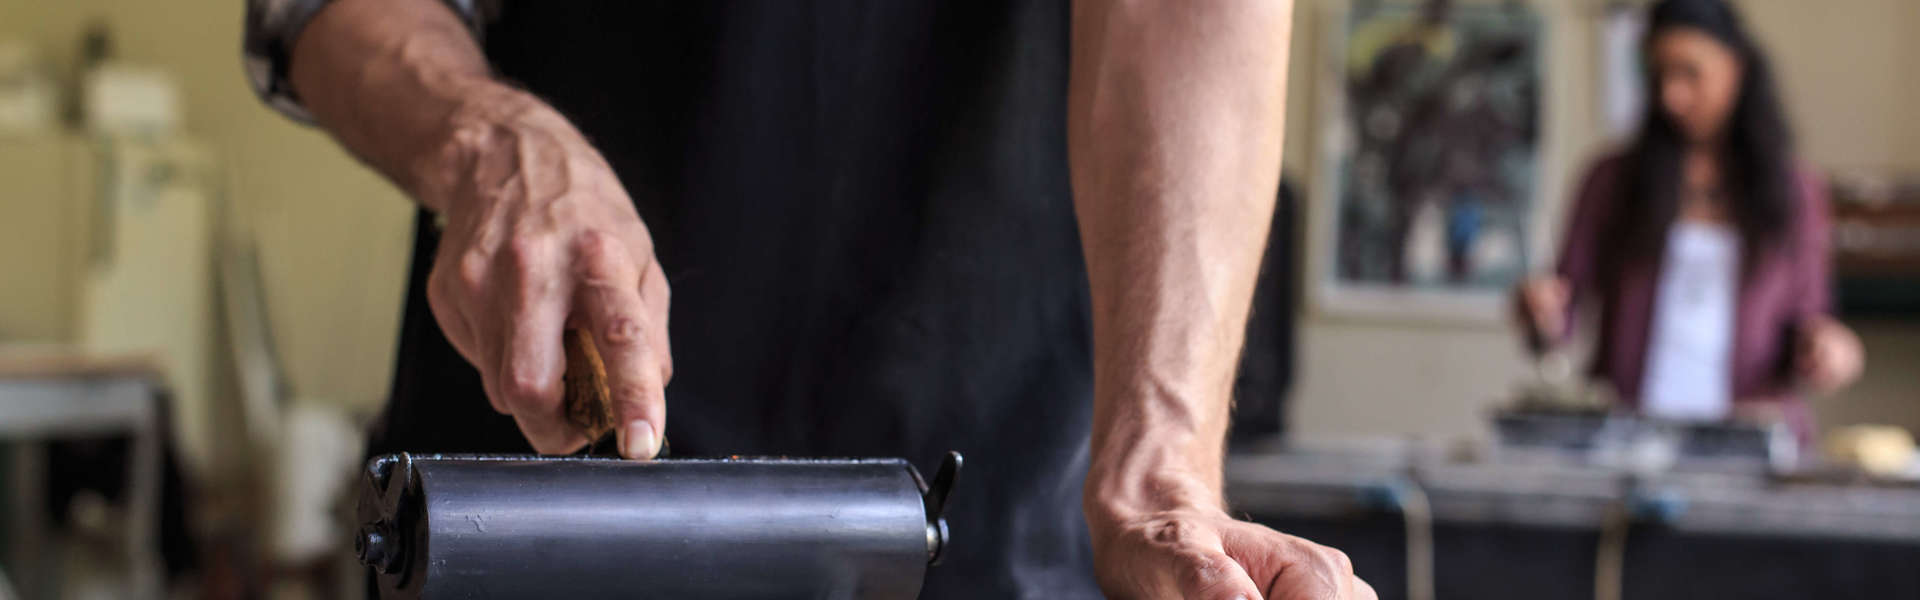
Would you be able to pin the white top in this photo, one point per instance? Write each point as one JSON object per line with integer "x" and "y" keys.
{"x": 1690, "y": 345}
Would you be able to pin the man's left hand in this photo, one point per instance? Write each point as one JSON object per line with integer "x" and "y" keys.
{"x": 1204, "y": 554}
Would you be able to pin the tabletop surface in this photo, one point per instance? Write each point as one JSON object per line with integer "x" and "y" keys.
{"x": 38, "y": 361}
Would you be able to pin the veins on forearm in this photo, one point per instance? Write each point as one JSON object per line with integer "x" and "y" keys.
{"x": 1175, "y": 144}
{"x": 385, "y": 76}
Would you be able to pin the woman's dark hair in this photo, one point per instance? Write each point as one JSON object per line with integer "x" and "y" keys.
{"x": 1756, "y": 167}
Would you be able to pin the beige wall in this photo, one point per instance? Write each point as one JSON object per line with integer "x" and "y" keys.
{"x": 39, "y": 236}
{"x": 1845, "y": 69}
{"x": 332, "y": 234}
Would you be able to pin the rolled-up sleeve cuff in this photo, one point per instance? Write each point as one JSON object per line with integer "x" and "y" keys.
{"x": 267, "y": 46}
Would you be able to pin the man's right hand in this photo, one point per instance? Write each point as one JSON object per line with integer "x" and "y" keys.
{"x": 540, "y": 236}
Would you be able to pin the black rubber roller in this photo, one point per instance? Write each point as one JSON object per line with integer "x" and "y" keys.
{"x": 470, "y": 526}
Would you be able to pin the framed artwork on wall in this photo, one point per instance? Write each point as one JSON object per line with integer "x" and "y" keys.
{"x": 1429, "y": 153}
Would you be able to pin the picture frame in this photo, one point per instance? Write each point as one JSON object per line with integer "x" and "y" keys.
{"x": 1351, "y": 249}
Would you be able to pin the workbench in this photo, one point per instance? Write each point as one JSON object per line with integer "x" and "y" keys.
{"x": 1462, "y": 524}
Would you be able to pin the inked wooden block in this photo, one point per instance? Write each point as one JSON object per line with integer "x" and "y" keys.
{"x": 589, "y": 403}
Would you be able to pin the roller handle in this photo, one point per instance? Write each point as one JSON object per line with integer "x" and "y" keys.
{"x": 934, "y": 498}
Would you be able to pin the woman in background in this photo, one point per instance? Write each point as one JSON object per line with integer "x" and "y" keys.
{"x": 1705, "y": 242}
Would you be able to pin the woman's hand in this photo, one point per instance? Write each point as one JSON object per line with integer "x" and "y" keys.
{"x": 1542, "y": 304}
{"x": 1203, "y": 554}
{"x": 540, "y": 236}
{"x": 1828, "y": 355}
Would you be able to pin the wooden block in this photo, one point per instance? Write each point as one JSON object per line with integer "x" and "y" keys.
{"x": 589, "y": 405}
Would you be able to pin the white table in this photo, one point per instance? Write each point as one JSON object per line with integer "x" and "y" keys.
{"x": 48, "y": 397}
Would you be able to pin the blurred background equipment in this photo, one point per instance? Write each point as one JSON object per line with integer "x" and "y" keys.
{"x": 29, "y": 103}
{"x": 53, "y": 405}
{"x": 1876, "y": 450}
{"x": 148, "y": 285}
{"x": 114, "y": 254}
{"x": 1532, "y": 521}
{"x": 1876, "y": 244}
{"x": 154, "y": 445}
{"x": 121, "y": 99}
{"x": 301, "y": 454}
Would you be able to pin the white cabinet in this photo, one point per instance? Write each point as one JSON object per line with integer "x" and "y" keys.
{"x": 148, "y": 282}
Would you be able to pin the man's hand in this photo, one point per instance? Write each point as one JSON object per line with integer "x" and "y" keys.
{"x": 1207, "y": 555}
{"x": 540, "y": 236}
{"x": 1174, "y": 131}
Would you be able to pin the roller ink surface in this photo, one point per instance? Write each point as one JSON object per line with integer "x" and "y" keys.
{"x": 470, "y": 526}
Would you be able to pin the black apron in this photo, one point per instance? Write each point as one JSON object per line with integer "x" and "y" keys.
{"x": 863, "y": 210}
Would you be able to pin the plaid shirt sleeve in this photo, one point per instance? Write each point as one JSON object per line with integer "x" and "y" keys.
{"x": 272, "y": 27}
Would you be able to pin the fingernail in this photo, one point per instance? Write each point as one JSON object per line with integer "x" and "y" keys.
{"x": 638, "y": 440}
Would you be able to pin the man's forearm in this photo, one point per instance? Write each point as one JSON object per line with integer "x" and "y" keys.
{"x": 394, "y": 81}
{"x": 1176, "y": 116}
